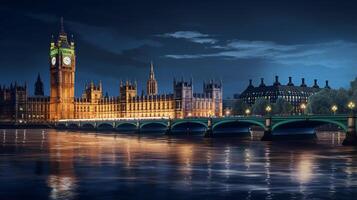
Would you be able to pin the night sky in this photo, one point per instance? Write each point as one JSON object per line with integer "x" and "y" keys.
{"x": 229, "y": 40}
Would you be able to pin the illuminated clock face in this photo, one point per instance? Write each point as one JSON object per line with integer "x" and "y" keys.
{"x": 67, "y": 60}
{"x": 53, "y": 60}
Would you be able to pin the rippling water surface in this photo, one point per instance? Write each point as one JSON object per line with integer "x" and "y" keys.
{"x": 50, "y": 164}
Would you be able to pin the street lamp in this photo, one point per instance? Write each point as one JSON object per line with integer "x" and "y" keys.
{"x": 268, "y": 109}
{"x": 351, "y": 105}
{"x": 334, "y": 108}
{"x": 303, "y": 107}
{"x": 228, "y": 112}
{"x": 247, "y": 111}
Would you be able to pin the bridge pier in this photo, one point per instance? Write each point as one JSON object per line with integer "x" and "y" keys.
{"x": 169, "y": 126}
{"x": 209, "y": 131}
{"x": 138, "y": 127}
{"x": 351, "y": 137}
{"x": 268, "y": 136}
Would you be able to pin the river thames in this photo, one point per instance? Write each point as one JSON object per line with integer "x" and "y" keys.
{"x": 51, "y": 164}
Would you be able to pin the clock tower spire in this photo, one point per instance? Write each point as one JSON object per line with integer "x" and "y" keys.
{"x": 62, "y": 76}
{"x": 62, "y": 27}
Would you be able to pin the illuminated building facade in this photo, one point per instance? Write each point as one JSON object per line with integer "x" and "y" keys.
{"x": 295, "y": 95}
{"x": 17, "y": 106}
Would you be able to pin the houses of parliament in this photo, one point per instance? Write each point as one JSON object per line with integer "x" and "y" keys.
{"x": 17, "y": 106}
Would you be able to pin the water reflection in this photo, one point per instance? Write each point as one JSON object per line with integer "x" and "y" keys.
{"x": 74, "y": 165}
{"x": 304, "y": 168}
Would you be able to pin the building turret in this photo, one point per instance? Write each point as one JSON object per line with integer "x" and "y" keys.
{"x": 303, "y": 83}
{"x": 128, "y": 90}
{"x": 39, "y": 86}
{"x": 327, "y": 85}
{"x": 93, "y": 92}
{"x": 72, "y": 42}
{"x": 250, "y": 83}
{"x": 277, "y": 83}
{"x": 290, "y": 83}
{"x": 315, "y": 84}
{"x": 262, "y": 84}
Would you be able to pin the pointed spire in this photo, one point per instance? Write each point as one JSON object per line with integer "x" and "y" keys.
{"x": 62, "y": 26}
{"x": 91, "y": 84}
{"x": 152, "y": 74}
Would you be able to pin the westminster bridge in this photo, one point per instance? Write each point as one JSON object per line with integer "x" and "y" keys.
{"x": 273, "y": 126}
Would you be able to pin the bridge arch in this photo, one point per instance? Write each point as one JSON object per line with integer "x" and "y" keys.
{"x": 196, "y": 127}
{"x": 126, "y": 125}
{"x": 88, "y": 126}
{"x": 248, "y": 122}
{"x": 105, "y": 126}
{"x": 161, "y": 124}
{"x": 73, "y": 126}
{"x": 61, "y": 125}
{"x": 314, "y": 122}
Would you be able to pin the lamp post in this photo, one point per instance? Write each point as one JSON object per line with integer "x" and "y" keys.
{"x": 268, "y": 109}
{"x": 351, "y": 105}
{"x": 189, "y": 114}
{"x": 228, "y": 112}
{"x": 268, "y": 125}
{"x": 302, "y": 108}
{"x": 334, "y": 108}
{"x": 247, "y": 111}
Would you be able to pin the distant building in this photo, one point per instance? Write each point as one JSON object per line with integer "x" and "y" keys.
{"x": 228, "y": 106}
{"x": 18, "y": 107}
{"x": 295, "y": 95}
{"x": 13, "y": 102}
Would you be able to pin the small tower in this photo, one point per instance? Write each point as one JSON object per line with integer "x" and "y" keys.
{"x": 128, "y": 90}
{"x": 93, "y": 92}
{"x": 39, "y": 86}
{"x": 183, "y": 94}
{"x": 214, "y": 91}
{"x": 151, "y": 86}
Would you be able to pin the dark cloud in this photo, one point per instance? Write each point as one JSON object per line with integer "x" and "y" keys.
{"x": 232, "y": 40}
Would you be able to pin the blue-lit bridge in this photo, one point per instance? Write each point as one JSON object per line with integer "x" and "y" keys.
{"x": 273, "y": 126}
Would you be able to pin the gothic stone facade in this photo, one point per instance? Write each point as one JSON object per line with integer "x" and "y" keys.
{"x": 17, "y": 106}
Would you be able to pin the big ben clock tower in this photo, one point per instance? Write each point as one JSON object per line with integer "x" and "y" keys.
{"x": 62, "y": 70}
